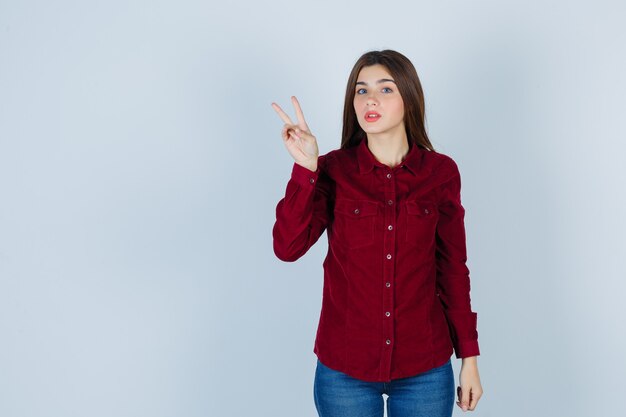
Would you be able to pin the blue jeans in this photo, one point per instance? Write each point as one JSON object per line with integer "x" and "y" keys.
{"x": 430, "y": 393}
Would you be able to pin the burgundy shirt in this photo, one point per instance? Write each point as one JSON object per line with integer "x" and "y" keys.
{"x": 396, "y": 297}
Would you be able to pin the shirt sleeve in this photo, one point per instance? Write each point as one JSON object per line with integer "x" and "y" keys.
{"x": 302, "y": 214}
{"x": 453, "y": 282}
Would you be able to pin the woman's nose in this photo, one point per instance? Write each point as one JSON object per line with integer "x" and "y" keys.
{"x": 371, "y": 100}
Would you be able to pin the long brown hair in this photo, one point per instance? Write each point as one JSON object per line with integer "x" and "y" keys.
{"x": 410, "y": 88}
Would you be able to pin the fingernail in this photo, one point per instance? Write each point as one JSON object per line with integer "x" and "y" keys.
{"x": 297, "y": 130}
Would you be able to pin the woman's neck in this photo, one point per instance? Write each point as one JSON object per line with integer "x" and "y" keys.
{"x": 390, "y": 151}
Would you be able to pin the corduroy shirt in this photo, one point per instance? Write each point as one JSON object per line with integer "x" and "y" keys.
{"x": 396, "y": 293}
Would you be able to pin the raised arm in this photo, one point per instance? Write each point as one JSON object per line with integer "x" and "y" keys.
{"x": 303, "y": 213}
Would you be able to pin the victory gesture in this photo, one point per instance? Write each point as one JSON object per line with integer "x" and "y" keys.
{"x": 297, "y": 138}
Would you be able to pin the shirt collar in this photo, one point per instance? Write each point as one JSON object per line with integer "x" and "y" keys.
{"x": 367, "y": 161}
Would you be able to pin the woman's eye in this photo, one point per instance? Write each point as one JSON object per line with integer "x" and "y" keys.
{"x": 387, "y": 90}
{"x": 360, "y": 91}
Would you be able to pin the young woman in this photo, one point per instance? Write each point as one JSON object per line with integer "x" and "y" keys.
{"x": 396, "y": 297}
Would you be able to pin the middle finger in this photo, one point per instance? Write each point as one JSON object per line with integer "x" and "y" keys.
{"x": 285, "y": 118}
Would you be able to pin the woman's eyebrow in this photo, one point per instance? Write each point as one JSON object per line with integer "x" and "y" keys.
{"x": 382, "y": 80}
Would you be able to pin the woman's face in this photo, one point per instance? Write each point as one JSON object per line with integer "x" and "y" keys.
{"x": 377, "y": 102}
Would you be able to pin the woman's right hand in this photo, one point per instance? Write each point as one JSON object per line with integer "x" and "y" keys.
{"x": 297, "y": 138}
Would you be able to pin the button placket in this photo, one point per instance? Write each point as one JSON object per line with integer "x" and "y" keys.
{"x": 389, "y": 245}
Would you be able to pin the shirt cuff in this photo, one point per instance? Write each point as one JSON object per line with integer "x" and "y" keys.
{"x": 304, "y": 176}
{"x": 466, "y": 348}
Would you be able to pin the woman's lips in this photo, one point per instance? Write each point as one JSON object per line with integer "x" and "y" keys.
{"x": 372, "y": 116}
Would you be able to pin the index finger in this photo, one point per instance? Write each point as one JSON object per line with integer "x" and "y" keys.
{"x": 299, "y": 114}
{"x": 285, "y": 118}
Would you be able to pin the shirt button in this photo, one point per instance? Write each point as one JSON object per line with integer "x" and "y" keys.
{"x": 387, "y": 314}
{"x": 387, "y": 284}
{"x": 388, "y": 341}
{"x": 356, "y": 211}
{"x": 311, "y": 180}
{"x": 388, "y": 256}
{"x": 390, "y": 202}
{"x": 390, "y": 227}
{"x": 426, "y": 211}
{"x": 388, "y": 175}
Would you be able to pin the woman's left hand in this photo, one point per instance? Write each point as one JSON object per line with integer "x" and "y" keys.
{"x": 470, "y": 390}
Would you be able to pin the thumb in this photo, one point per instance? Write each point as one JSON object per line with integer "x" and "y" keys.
{"x": 305, "y": 135}
{"x": 300, "y": 131}
{"x": 464, "y": 397}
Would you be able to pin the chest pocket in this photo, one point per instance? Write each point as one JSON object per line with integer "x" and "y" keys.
{"x": 421, "y": 223}
{"x": 355, "y": 222}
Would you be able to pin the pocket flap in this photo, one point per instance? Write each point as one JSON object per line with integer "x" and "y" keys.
{"x": 357, "y": 208}
{"x": 420, "y": 208}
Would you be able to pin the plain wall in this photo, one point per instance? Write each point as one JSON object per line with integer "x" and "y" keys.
{"x": 141, "y": 164}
